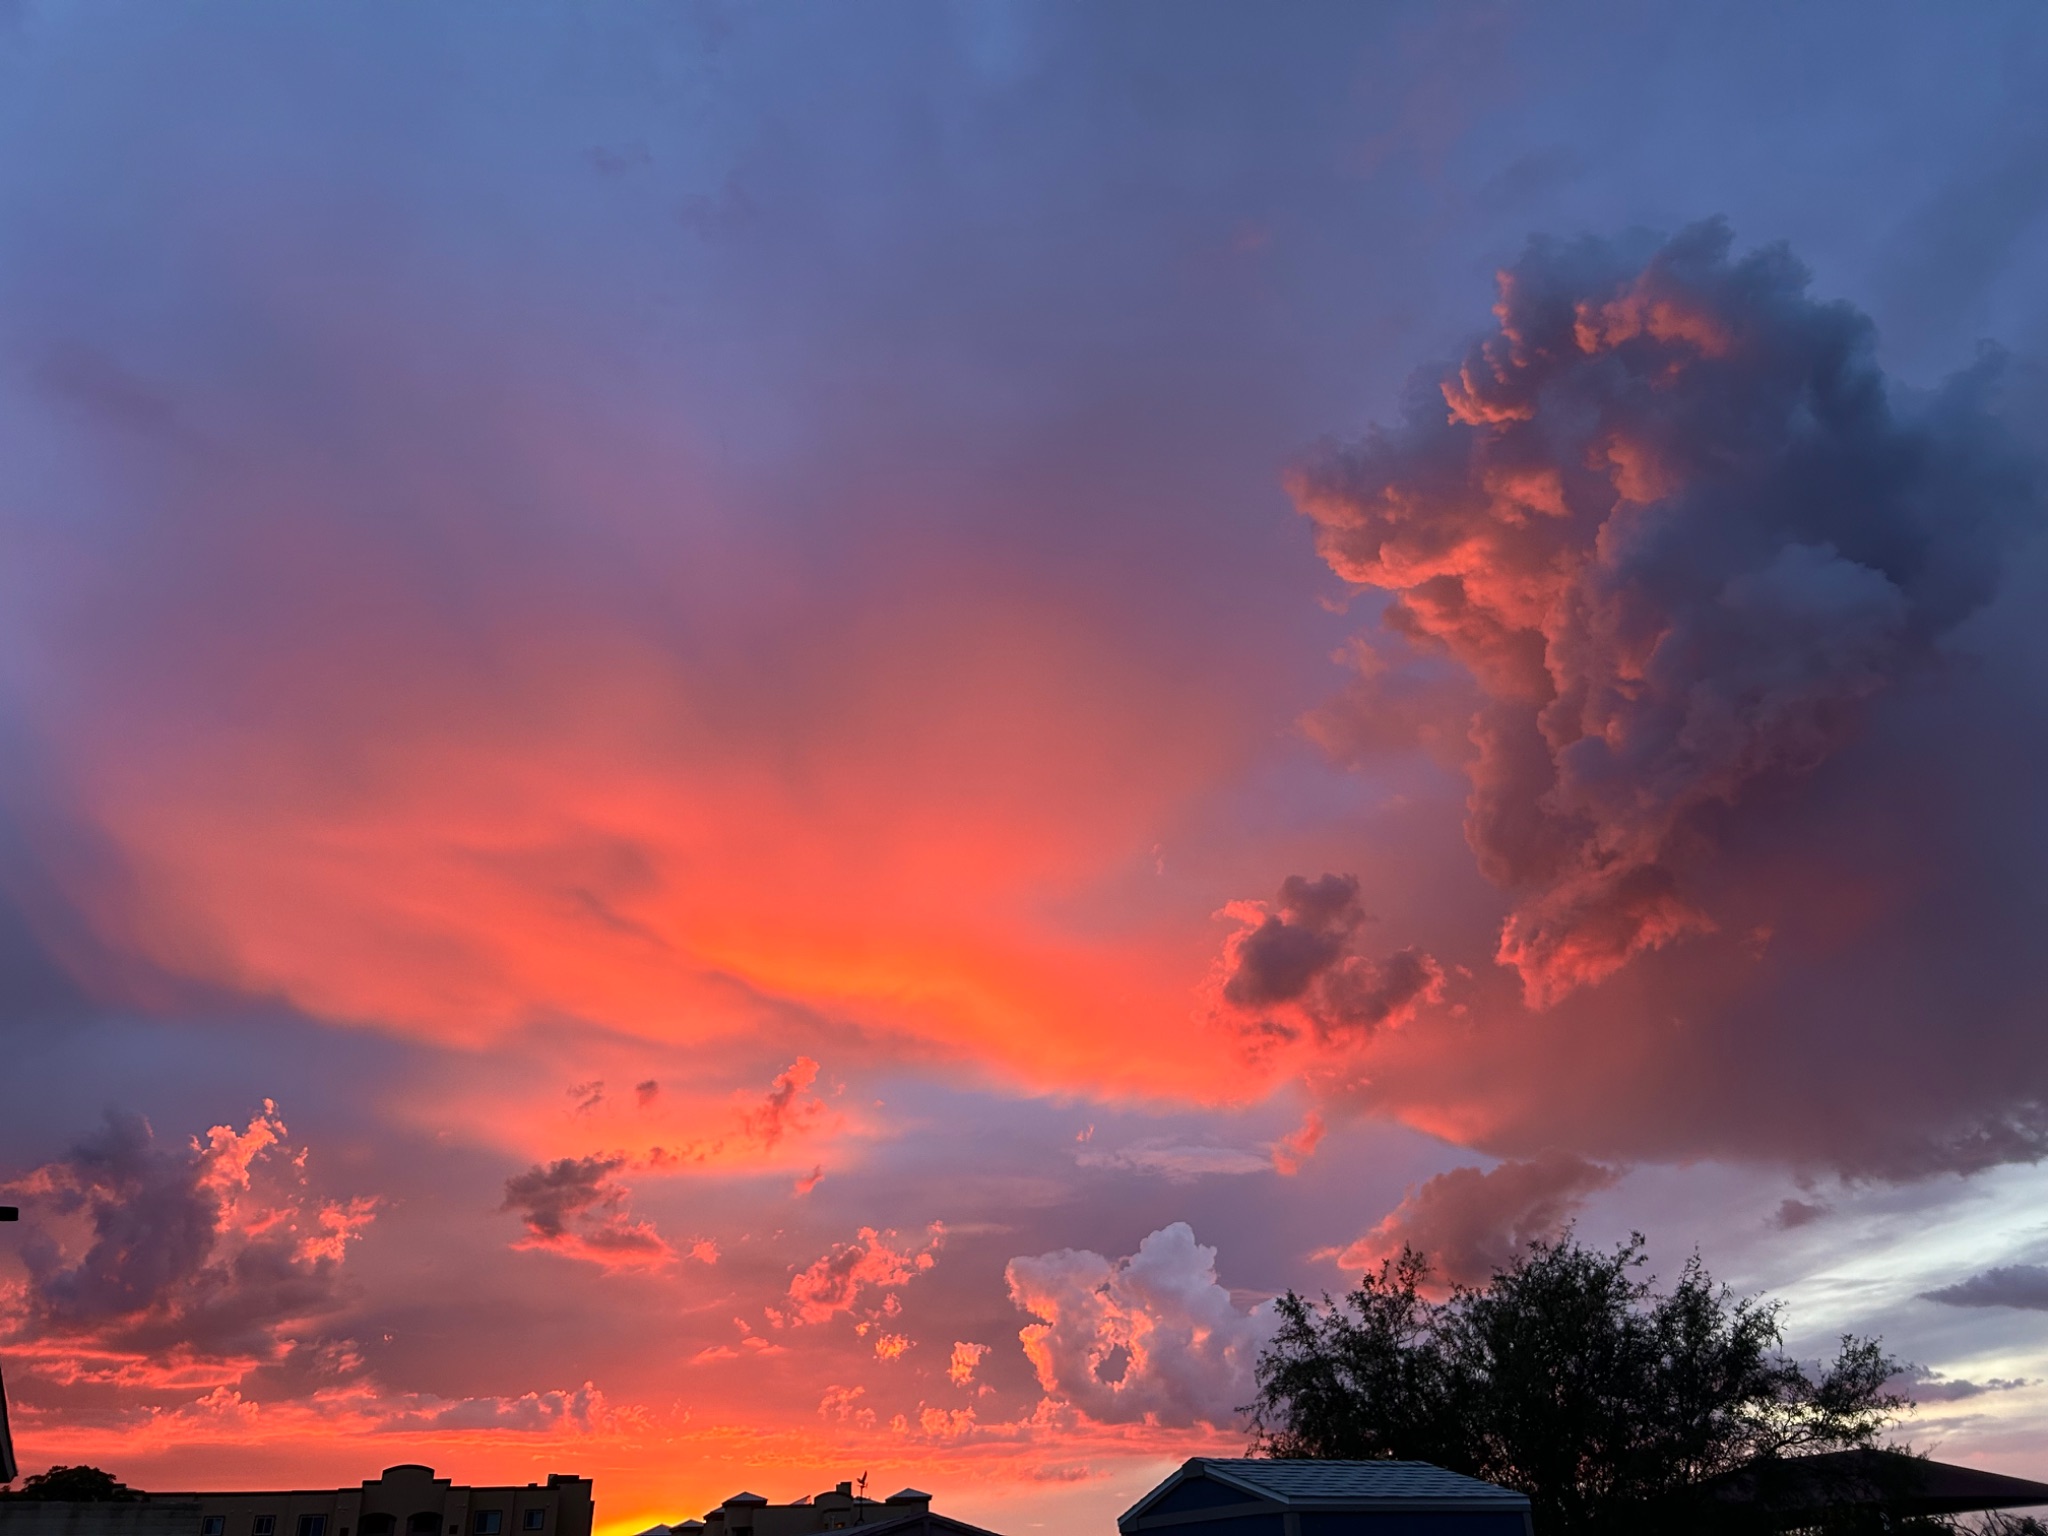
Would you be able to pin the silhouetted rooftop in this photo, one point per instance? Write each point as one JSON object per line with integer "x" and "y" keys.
{"x": 1871, "y": 1478}
{"x": 1333, "y": 1485}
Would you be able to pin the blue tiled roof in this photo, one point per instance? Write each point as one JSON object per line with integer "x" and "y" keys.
{"x": 1295, "y": 1482}
{"x": 1334, "y": 1485}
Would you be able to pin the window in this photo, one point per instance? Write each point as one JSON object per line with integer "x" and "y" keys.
{"x": 264, "y": 1525}
{"x": 378, "y": 1524}
{"x": 489, "y": 1522}
{"x": 426, "y": 1523}
{"x": 534, "y": 1520}
{"x": 312, "y": 1525}
{"x": 213, "y": 1525}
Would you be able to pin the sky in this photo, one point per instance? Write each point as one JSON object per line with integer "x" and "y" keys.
{"x": 747, "y": 743}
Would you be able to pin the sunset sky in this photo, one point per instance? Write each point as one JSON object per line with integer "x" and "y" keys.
{"x": 748, "y": 742}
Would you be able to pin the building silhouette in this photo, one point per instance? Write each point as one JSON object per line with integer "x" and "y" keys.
{"x": 907, "y": 1512}
{"x": 407, "y": 1500}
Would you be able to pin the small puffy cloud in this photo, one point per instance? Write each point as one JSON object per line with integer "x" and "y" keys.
{"x": 893, "y": 1346}
{"x": 1469, "y": 1223}
{"x": 842, "y": 1405}
{"x": 2024, "y": 1286}
{"x": 789, "y": 1108}
{"x": 788, "y": 1111}
{"x": 575, "y": 1206}
{"x": 841, "y": 1280}
{"x": 1294, "y": 967}
{"x": 1792, "y": 1213}
{"x": 966, "y": 1360}
{"x": 1294, "y": 1149}
{"x": 156, "y": 1253}
{"x": 935, "y": 1424}
{"x": 1148, "y": 1338}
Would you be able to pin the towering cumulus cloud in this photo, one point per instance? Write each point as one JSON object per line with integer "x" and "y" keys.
{"x": 1152, "y": 1338}
{"x": 1676, "y": 530}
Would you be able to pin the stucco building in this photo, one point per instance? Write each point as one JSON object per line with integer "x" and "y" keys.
{"x": 408, "y": 1500}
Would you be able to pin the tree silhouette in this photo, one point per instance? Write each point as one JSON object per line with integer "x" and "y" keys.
{"x": 1565, "y": 1377}
{"x": 73, "y": 1485}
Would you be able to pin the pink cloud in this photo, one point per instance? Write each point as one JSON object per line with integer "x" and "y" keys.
{"x": 1153, "y": 1338}
{"x": 1294, "y": 1149}
{"x": 965, "y": 1360}
{"x": 1468, "y": 1223}
{"x": 841, "y": 1280}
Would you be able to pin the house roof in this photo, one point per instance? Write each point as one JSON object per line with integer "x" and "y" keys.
{"x": 1871, "y": 1478}
{"x": 918, "y": 1523}
{"x": 1292, "y": 1484}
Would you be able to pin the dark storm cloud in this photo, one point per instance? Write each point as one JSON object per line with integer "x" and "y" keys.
{"x": 153, "y": 1225}
{"x": 1925, "y": 1386}
{"x": 1744, "y": 642}
{"x": 2024, "y": 1286}
{"x": 207, "y": 1249}
{"x": 1793, "y": 1213}
{"x": 1677, "y": 529}
{"x": 577, "y": 1206}
{"x": 1279, "y": 960}
{"x": 1298, "y": 961}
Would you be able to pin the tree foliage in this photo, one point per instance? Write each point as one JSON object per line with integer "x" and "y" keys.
{"x": 75, "y": 1485}
{"x": 1566, "y": 1377}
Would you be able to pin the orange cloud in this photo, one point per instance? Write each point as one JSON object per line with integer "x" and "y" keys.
{"x": 966, "y": 1359}
{"x": 1294, "y": 1149}
{"x": 892, "y": 1346}
{"x": 839, "y": 1281}
{"x": 896, "y": 832}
